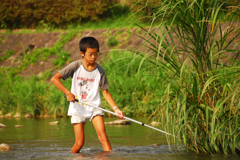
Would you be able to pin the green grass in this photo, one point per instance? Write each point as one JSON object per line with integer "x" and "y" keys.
{"x": 135, "y": 90}
{"x": 7, "y": 54}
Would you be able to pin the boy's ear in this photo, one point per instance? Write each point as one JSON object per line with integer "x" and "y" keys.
{"x": 82, "y": 54}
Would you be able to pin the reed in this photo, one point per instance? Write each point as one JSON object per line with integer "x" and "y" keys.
{"x": 135, "y": 89}
{"x": 201, "y": 101}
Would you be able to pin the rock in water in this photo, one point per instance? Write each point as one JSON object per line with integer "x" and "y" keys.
{"x": 118, "y": 122}
{"x": 54, "y": 123}
{"x": 2, "y": 125}
{"x": 19, "y": 126}
{"x": 4, "y": 147}
{"x": 17, "y": 115}
{"x": 154, "y": 123}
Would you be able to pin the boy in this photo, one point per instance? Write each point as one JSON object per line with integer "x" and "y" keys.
{"x": 87, "y": 77}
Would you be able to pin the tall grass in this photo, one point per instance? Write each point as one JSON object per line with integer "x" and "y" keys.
{"x": 134, "y": 89}
{"x": 19, "y": 96}
{"x": 31, "y": 96}
{"x": 201, "y": 101}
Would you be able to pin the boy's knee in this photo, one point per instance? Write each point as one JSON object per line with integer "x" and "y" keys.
{"x": 79, "y": 144}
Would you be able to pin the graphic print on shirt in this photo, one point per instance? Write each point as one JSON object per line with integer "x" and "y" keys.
{"x": 84, "y": 89}
{"x": 85, "y": 84}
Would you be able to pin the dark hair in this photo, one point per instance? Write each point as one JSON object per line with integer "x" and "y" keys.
{"x": 88, "y": 42}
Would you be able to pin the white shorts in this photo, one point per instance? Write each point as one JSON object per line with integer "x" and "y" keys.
{"x": 76, "y": 118}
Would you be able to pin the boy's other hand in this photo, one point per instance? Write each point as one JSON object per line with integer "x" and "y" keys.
{"x": 119, "y": 112}
{"x": 70, "y": 97}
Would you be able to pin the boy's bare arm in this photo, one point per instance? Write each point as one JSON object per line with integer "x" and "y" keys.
{"x": 56, "y": 81}
{"x": 111, "y": 102}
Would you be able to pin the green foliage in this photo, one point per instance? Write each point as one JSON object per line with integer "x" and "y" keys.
{"x": 33, "y": 96}
{"x": 201, "y": 101}
{"x": 112, "y": 42}
{"x": 18, "y": 13}
{"x": 7, "y": 104}
{"x": 57, "y": 104}
{"x": 7, "y": 54}
{"x": 135, "y": 89}
{"x": 233, "y": 3}
{"x": 145, "y": 7}
{"x": 18, "y": 95}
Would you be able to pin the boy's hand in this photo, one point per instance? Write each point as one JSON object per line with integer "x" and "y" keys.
{"x": 70, "y": 97}
{"x": 119, "y": 112}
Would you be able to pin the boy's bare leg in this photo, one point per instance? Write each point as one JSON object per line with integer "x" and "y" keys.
{"x": 98, "y": 123}
{"x": 79, "y": 137}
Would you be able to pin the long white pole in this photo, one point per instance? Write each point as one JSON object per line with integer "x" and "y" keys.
{"x": 100, "y": 108}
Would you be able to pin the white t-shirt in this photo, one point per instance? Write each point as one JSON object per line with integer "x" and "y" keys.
{"x": 85, "y": 87}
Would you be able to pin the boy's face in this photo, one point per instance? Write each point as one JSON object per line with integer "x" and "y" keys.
{"x": 90, "y": 55}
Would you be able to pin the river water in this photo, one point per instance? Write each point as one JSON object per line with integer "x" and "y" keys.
{"x": 39, "y": 140}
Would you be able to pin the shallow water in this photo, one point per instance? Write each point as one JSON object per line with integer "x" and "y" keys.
{"x": 39, "y": 140}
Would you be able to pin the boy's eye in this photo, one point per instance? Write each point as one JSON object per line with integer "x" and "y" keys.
{"x": 90, "y": 55}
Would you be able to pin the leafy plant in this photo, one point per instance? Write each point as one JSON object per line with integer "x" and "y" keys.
{"x": 201, "y": 100}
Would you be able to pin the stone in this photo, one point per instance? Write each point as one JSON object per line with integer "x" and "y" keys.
{"x": 54, "y": 123}
{"x": 154, "y": 123}
{"x": 17, "y": 115}
{"x": 40, "y": 74}
{"x": 7, "y": 115}
{"x": 2, "y": 125}
{"x": 46, "y": 116}
{"x": 27, "y": 115}
{"x": 118, "y": 122}
{"x": 19, "y": 126}
{"x": 5, "y": 147}
{"x": 109, "y": 123}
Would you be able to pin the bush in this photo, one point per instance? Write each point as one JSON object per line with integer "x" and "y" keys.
{"x": 148, "y": 7}
{"x": 112, "y": 42}
{"x": 145, "y": 7}
{"x": 18, "y": 13}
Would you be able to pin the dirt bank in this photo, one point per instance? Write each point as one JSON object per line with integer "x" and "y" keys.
{"x": 19, "y": 42}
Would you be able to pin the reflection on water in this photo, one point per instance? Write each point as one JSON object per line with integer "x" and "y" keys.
{"x": 39, "y": 140}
